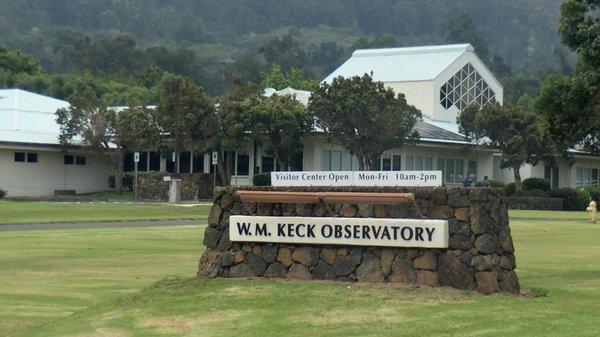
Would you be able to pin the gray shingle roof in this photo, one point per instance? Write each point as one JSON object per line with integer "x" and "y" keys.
{"x": 430, "y": 131}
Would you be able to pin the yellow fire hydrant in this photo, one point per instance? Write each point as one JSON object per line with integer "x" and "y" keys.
{"x": 591, "y": 209}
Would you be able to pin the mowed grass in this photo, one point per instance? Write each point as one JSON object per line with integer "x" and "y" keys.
{"x": 50, "y": 275}
{"x": 102, "y": 283}
{"x": 13, "y": 212}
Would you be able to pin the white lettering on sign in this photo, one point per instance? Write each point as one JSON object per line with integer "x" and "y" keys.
{"x": 357, "y": 178}
{"x": 340, "y": 231}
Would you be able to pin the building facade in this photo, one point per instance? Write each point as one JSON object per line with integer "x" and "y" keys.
{"x": 438, "y": 80}
{"x": 32, "y": 162}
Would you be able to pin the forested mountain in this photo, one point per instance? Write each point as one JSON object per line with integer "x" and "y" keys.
{"x": 131, "y": 41}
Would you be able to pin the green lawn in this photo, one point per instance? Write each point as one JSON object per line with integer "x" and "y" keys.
{"x": 103, "y": 282}
{"x": 39, "y": 211}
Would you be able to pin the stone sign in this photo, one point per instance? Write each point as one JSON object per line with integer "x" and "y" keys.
{"x": 479, "y": 254}
{"x": 357, "y": 178}
{"x": 340, "y": 231}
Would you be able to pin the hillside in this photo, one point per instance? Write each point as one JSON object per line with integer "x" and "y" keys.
{"x": 209, "y": 40}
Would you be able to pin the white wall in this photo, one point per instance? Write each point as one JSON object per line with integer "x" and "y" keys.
{"x": 313, "y": 154}
{"x": 420, "y": 94}
{"x": 50, "y": 173}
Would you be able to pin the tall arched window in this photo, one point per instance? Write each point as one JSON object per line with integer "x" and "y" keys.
{"x": 464, "y": 88}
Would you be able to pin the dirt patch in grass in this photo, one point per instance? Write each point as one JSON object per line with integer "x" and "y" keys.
{"x": 103, "y": 333}
{"x": 183, "y": 325}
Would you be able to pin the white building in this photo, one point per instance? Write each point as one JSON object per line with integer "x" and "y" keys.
{"x": 440, "y": 81}
{"x": 32, "y": 162}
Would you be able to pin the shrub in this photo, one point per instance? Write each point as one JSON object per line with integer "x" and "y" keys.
{"x": 493, "y": 183}
{"x": 535, "y": 193}
{"x": 594, "y": 193}
{"x": 509, "y": 189}
{"x": 573, "y": 200}
{"x": 261, "y": 179}
{"x": 127, "y": 181}
{"x": 2, "y": 193}
{"x": 536, "y": 184}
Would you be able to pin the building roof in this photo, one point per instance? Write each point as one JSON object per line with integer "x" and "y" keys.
{"x": 28, "y": 118}
{"x": 428, "y": 131}
{"x": 301, "y": 96}
{"x": 401, "y": 64}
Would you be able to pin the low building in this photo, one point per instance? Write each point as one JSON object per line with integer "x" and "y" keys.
{"x": 32, "y": 161}
{"x": 440, "y": 81}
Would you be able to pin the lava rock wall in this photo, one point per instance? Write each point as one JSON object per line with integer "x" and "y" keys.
{"x": 480, "y": 255}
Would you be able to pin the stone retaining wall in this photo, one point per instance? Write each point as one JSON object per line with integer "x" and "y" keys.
{"x": 538, "y": 203}
{"x": 194, "y": 186}
{"x": 480, "y": 254}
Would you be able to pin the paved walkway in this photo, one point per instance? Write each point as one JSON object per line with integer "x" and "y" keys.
{"x": 107, "y": 224}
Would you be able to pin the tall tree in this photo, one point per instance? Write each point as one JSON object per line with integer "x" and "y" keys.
{"x": 186, "y": 114}
{"x": 571, "y": 104}
{"x": 111, "y": 134}
{"x": 515, "y": 130}
{"x": 15, "y": 62}
{"x": 232, "y": 129}
{"x": 463, "y": 29}
{"x": 280, "y": 122}
{"x": 364, "y": 117}
{"x": 285, "y": 51}
{"x": 294, "y": 78}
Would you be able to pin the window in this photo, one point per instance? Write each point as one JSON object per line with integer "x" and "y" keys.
{"x": 143, "y": 163}
{"x": 185, "y": 158}
{"x": 551, "y": 174}
{"x": 198, "y": 165}
{"x": 69, "y": 160}
{"x": 80, "y": 160}
{"x": 154, "y": 161}
{"x": 472, "y": 167}
{"x": 452, "y": 169}
{"x": 29, "y": 157}
{"x": 268, "y": 164}
{"x": 128, "y": 164}
{"x": 410, "y": 163}
{"x": 396, "y": 159}
{"x": 386, "y": 162}
{"x": 586, "y": 176}
{"x": 347, "y": 161}
{"x": 428, "y": 166}
{"x": 418, "y": 163}
{"x": 332, "y": 160}
{"x": 460, "y": 169}
{"x": 464, "y": 88}
{"x": 243, "y": 164}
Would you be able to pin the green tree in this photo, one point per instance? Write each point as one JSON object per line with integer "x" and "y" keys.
{"x": 516, "y": 130}
{"x": 285, "y": 51}
{"x": 294, "y": 78}
{"x": 282, "y": 122}
{"x": 87, "y": 121}
{"x": 571, "y": 104}
{"x": 186, "y": 114}
{"x": 15, "y": 62}
{"x": 364, "y": 116}
{"x": 232, "y": 129}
